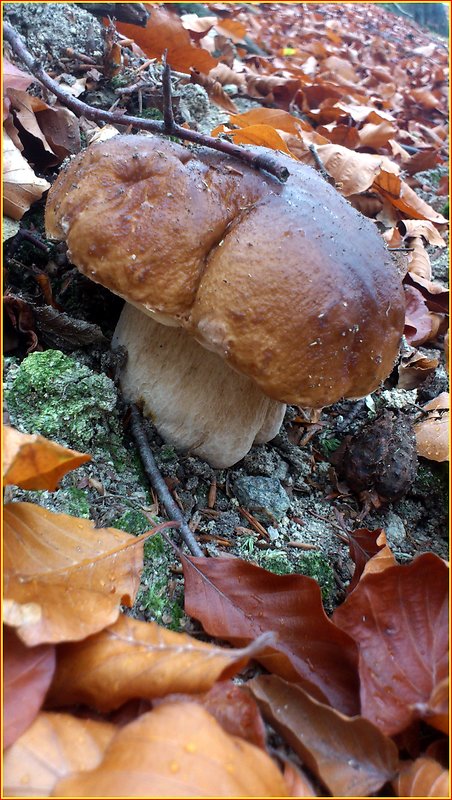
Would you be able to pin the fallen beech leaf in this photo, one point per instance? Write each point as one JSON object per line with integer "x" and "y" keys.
{"x": 214, "y": 89}
{"x": 297, "y": 783}
{"x": 425, "y": 159}
{"x": 398, "y": 618}
{"x": 198, "y": 25}
{"x": 404, "y": 198}
{"x": 376, "y": 136}
{"x": 177, "y": 750}
{"x": 355, "y": 172}
{"x": 233, "y": 707}
{"x": 349, "y": 755}
{"x": 341, "y": 134}
{"x": 366, "y": 548}
{"x": 231, "y": 28}
{"x": 25, "y": 108}
{"x": 224, "y": 74}
{"x": 420, "y": 227}
{"x": 33, "y": 462}
{"x": 420, "y": 323}
{"x": 425, "y": 98}
{"x": 274, "y": 117}
{"x": 414, "y": 368}
{"x": 263, "y": 135}
{"x": 27, "y": 673}
{"x": 419, "y": 259}
{"x": 54, "y": 746}
{"x": 61, "y": 130}
{"x": 140, "y": 659}
{"x": 437, "y": 710}
{"x": 238, "y": 601}
{"x": 63, "y": 332}
{"x": 432, "y": 432}
{"x": 14, "y": 78}
{"x": 21, "y": 187}
{"x": 64, "y": 579}
{"x": 423, "y": 778}
{"x": 165, "y": 31}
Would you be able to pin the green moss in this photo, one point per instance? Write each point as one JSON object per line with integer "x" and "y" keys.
{"x": 132, "y": 521}
{"x": 51, "y": 394}
{"x": 150, "y": 113}
{"x": 77, "y": 502}
{"x": 153, "y": 599}
{"x": 311, "y": 564}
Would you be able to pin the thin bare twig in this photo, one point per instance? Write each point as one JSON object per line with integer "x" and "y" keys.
{"x": 320, "y": 165}
{"x": 168, "y": 116}
{"x": 262, "y": 161}
{"x": 157, "y": 482}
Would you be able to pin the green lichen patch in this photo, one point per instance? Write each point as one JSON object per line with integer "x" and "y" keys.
{"x": 311, "y": 564}
{"x": 160, "y": 596}
{"x": 54, "y": 395}
{"x": 133, "y": 521}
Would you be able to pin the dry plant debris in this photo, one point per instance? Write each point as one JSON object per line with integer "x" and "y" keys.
{"x": 99, "y": 703}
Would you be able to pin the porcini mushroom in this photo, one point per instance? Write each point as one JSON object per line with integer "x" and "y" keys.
{"x": 243, "y": 294}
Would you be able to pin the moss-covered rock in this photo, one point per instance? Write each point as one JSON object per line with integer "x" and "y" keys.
{"x": 160, "y": 597}
{"x": 52, "y": 394}
{"x": 311, "y": 564}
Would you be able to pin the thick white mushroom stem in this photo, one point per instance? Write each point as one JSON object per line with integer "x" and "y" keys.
{"x": 197, "y": 403}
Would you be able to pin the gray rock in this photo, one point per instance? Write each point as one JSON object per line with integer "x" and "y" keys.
{"x": 263, "y": 461}
{"x": 264, "y": 497}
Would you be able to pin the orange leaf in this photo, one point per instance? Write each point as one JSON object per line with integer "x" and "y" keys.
{"x": 165, "y": 31}
{"x": 33, "y": 462}
{"x": 177, "y": 750}
{"x": 274, "y": 117}
{"x": 262, "y": 135}
{"x": 349, "y": 755}
{"x": 353, "y": 172}
{"x": 140, "y": 659}
{"x": 297, "y": 782}
{"x": 404, "y": 198}
{"x": 423, "y": 778}
{"x": 432, "y": 432}
{"x": 231, "y": 28}
{"x": 27, "y": 674}
{"x": 398, "y": 618}
{"x": 63, "y": 578}
{"x": 54, "y": 746}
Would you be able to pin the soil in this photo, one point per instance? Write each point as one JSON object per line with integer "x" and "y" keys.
{"x": 112, "y": 489}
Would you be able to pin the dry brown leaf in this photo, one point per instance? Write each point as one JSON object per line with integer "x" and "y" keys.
{"x": 164, "y": 31}
{"x": 64, "y": 579}
{"x": 21, "y": 187}
{"x": 297, "y": 783}
{"x": 414, "y": 368}
{"x": 232, "y": 29}
{"x": 262, "y": 135}
{"x": 54, "y": 746}
{"x": 376, "y": 136}
{"x": 437, "y": 711}
{"x": 140, "y": 659}
{"x": 198, "y": 25}
{"x": 353, "y": 172}
{"x": 348, "y": 754}
{"x": 404, "y": 198}
{"x": 343, "y": 135}
{"x": 399, "y": 619}
{"x": 419, "y": 259}
{"x": 421, "y": 227}
{"x": 423, "y": 778}
{"x": 33, "y": 462}
{"x": 432, "y": 433}
{"x": 25, "y": 109}
{"x": 274, "y": 117}
{"x": 421, "y": 325}
{"x": 381, "y": 560}
{"x": 27, "y": 673}
{"x": 177, "y": 750}
{"x": 214, "y": 89}
{"x": 224, "y": 74}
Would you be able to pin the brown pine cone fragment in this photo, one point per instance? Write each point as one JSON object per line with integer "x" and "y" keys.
{"x": 380, "y": 458}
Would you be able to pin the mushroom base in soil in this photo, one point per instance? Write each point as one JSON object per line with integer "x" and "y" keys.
{"x": 197, "y": 402}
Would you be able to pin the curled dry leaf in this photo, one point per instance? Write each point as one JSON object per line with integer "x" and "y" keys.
{"x": 421, "y": 325}
{"x": 238, "y": 601}
{"x": 297, "y": 783}
{"x": 370, "y": 553}
{"x": 177, "y": 750}
{"x": 27, "y": 673}
{"x": 353, "y": 172}
{"x": 33, "y": 462}
{"x": 140, "y": 659}
{"x": 64, "y": 579}
{"x": 399, "y": 619}
{"x": 233, "y": 707}
{"x": 54, "y": 746}
{"x": 21, "y": 187}
{"x": 432, "y": 432}
{"x": 419, "y": 259}
{"x": 437, "y": 709}
{"x": 349, "y": 755}
{"x": 390, "y": 186}
{"x": 165, "y": 31}
{"x": 274, "y": 117}
{"x": 214, "y": 89}
{"x": 414, "y": 368}
{"x": 423, "y": 778}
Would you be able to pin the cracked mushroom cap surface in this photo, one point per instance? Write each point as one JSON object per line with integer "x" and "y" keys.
{"x": 288, "y": 283}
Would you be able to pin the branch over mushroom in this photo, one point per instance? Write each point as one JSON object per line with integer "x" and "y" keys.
{"x": 243, "y": 293}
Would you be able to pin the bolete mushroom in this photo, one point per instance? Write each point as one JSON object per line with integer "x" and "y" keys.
{"x": 243, "y": 293}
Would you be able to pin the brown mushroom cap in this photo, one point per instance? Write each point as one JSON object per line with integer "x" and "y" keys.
{"x": 287, "y": 282}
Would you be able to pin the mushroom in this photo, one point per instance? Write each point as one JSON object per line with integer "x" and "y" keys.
{"x": 243, "y": 294}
